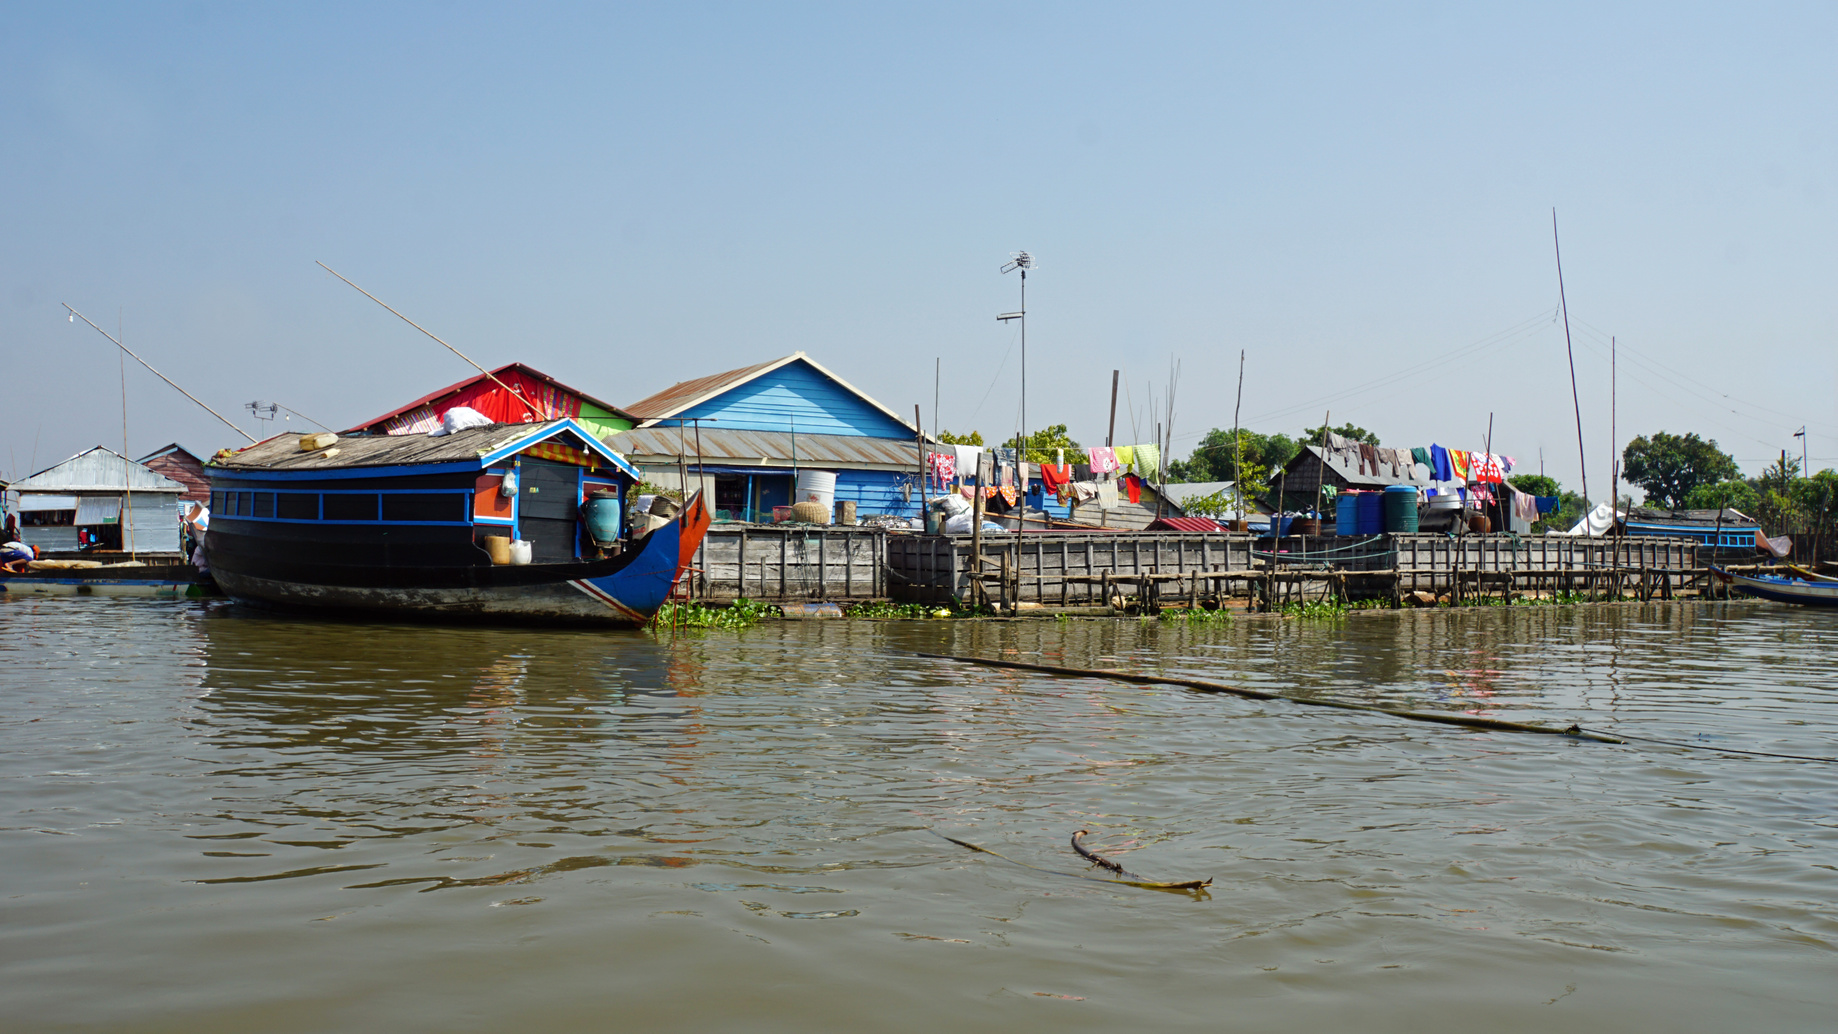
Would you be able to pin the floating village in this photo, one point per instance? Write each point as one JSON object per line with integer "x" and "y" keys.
{"x": 780, "y": 487}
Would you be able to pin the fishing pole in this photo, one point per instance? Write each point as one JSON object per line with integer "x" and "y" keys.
{"x": 158, "y": 374}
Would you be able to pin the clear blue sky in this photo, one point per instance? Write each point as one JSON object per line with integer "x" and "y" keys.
{"x": 632, "y": 197}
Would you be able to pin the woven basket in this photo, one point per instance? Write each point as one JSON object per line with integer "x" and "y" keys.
{"x": 810, "y": 513}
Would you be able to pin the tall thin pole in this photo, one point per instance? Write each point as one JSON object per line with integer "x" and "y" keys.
{"x": 1575, "y": 400}
{"x": 1237, "y": 443}
{"x": 494, "y": 379}
{"x": 1023, "y": 435}
{"x": 1110, "y": 429}
{"x": 127, "y": 479}
{"x": 938, "y": 371}
{"x": 1614, "y": 440}
{"x": 156, "y": 373}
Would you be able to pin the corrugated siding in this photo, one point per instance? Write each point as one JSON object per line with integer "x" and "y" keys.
{"x": 795, "y": 396}
{"x": 877, "y": 491}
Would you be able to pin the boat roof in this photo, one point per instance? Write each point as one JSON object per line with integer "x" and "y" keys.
{"x": 507, "y": 368}
{"x": 482, "y": 446}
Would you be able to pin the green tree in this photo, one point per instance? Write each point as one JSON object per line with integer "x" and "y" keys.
{"x": 1043, "y": 445}
{"x": 1535, "y": 484}
{"x": 1738, "y": 495}
{"x": 1216, "y": 456}
{"x": 947, "y": 438}
{"x": 1668, "y": 466}
{"x": 1312, "y": 436}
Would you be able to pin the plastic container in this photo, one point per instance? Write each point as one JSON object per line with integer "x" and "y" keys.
{"x": 602, "y": 513}
{"x": 816, "y": 486}
{"x": 1371, "y": 513}
{"x": 1346, "y": 514}
{"x": 499, "y": 546}
{"x": 520, "y": 552}
{"x": 1400, "y": 510}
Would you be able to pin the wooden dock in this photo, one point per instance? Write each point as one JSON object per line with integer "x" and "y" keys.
{"x": 1102, "y": 569}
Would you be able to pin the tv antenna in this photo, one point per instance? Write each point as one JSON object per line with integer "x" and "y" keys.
{"x": 261, "y": 410}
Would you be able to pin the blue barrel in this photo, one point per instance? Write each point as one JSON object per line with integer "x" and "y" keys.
{"x": 602, "y": 513}
{"x": 1371, "y": 513}
{"x": 1400, "y": 509}
{"x": 1346, "y": 514}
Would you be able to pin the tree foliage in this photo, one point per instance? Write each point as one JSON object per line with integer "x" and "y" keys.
{"x": 1668, "y": 466}
{"x": 1044, "y": 445}
{"x": 1216, "y": 456}
{"x": 1535, "y": 484}
{"x": 1312, "y": 436}
{"x": 947, "y": 438}
{"x": 1738, "y": 495}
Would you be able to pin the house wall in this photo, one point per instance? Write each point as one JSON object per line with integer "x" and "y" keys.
{"x": 797, "y": 397}
{"x": 187, "y": 471}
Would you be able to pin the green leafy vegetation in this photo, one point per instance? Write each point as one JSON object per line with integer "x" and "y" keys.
{"x": 1667, "y": 467}
{"x": 889, "y": 611}
{"x": 690, "y": 614}
{"x": 1195, "y": 616}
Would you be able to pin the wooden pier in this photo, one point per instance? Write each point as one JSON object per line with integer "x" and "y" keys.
{"x": 794, "y": 562}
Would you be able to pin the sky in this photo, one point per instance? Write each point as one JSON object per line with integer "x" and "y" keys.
{"x": 1357, "y": 198}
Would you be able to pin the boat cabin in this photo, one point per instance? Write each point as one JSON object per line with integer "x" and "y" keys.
{"x": 417, "y": 502}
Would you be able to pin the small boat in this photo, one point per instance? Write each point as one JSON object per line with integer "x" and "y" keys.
{"x": 1781, "y": 589}
{"x": 159, "y": 577}
{"x": 432, "y": 525}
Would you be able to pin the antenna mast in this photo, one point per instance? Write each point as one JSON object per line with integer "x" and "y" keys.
{"x": 1024, "y": 262}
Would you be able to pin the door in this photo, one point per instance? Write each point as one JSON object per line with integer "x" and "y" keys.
{"x": 548, "y": 503}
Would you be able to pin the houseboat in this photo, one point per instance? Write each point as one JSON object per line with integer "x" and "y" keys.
{"x": 505, "y": 521}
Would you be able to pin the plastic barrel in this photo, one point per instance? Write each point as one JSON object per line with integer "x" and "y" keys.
{"x": 1371, "y": 513}
{"x": 1346, "y": 514}
{"x": 602, "y": 513}
{"x": 1400, "y": 509}
{"x": 816, "y": 486}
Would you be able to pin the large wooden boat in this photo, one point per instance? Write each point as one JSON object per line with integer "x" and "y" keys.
{"x": 399, "y": 524}
{"x": 1823, "y": 593}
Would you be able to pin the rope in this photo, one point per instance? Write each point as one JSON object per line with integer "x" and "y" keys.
{"x": 1467, "y": 721}
{"x": 1189, "y": 885}
{"x": 1730, "y": 750}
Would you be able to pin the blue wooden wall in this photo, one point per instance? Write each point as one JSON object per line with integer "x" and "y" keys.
{"x": 798, "y": 394}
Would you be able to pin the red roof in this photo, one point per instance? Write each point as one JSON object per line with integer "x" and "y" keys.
{"x": 501, "y": 372}
{"x": 1200, "y": 524}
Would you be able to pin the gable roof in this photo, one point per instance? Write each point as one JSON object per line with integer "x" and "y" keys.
{"x": 686, "y": 395}
{"x": 169, "y": 449}
{"x": 97, "y": 470}
{"x": 479, "y": 378}
{"x": 474, "y": 446}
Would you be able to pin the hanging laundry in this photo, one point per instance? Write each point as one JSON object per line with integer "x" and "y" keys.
{"x": 944, "y": 468}
{"x": 1368, "y": 454}
{"x": 966, "y": 456}
{"x": 1107, "y": 495}
{"x": 1525, "y": 506}
{"x": 1548, "y": 504}
{"x": 1487, "y": 468}
{"x": 1420, "y": 455}
{"x": 1507, "y": 463}
{"x": 1133, "y": 485}
{"x": 1103, "y": 459}
{"x": 1055, "y": 476}
{"x": 1126, "y": 455}
{"x": 1085, "y": 490}
{"x": 1440, "y": 467}
{"x": 1009, "y": 495}
{"x": 1149, "y": 460}
{"x": 1458, "y": 460}
{"x": 1081, "y": 472}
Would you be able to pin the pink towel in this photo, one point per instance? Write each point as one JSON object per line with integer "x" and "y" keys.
{"x": 1103, "y": 459}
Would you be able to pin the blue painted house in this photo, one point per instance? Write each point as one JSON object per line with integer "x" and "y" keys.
{"x": 746, "y": 435}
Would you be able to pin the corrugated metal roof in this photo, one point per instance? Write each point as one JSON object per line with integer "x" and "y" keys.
{"x": 282, "y": 452}
{"x": 98, "y": 470}
{"x": 730, "y": 447}
{"x": 1349, "y": 470}
{"x": 683, "y": 394}
{"x": 499, "y": 372}
{"x": 1202, "y": 524}
{"x": 1181, "y": 491}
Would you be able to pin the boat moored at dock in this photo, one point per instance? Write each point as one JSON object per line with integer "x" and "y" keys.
{"x": 425, "y": 525}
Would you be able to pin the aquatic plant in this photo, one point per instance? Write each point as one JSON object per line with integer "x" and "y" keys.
{"x": 742, "y": 613}
{"x": 892, "y": 611}
{"x": 1196, "y": 615}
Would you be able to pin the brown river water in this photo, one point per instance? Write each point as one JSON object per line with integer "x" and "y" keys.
{"x": 221, "y": 820}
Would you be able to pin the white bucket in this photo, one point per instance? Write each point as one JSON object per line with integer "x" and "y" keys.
{"x": 817, "y": 486}
{"x": 520, "y": 552}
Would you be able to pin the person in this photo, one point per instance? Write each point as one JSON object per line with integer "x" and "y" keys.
{"x": 197, "y": 523}
{"x": 11, "y": 534}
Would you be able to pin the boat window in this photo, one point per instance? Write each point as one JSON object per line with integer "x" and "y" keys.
{"x": 217, "y": 506}
{"x": 241, "y": 505}
{"x": 354, "y": 507}
{"x": 297, "y": 506}
{"x": 425, "y": 506}
{"x": 264, "y": 505}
